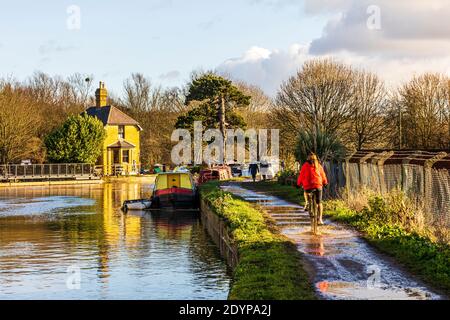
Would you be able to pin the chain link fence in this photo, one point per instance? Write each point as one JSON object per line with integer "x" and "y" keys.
{"x": 423, "y": 176}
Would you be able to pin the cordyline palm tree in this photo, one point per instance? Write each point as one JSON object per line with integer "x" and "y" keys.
{"x": 326, "y": 145}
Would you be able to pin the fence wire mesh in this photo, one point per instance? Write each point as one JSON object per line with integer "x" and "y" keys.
{"x": 423, "y": 176}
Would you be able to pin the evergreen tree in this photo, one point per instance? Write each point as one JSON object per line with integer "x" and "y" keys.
{"x": 78, "y": 140}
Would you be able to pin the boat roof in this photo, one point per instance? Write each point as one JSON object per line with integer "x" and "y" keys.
{"x": 172, "y": 173}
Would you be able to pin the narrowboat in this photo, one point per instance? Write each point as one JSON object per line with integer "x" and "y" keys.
{"x": 175, "y": 190}
{"x": 218, "y": 173}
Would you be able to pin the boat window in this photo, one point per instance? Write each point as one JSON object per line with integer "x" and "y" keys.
{"x": 185, "y": 181}
{"x": 161, "y": 182}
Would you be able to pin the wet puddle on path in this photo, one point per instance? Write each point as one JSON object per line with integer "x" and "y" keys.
{"x": 345, "y": 266}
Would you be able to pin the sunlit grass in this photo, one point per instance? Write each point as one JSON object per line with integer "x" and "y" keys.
{"x": 270, "y": 266}
{"x": 390, "y": 225}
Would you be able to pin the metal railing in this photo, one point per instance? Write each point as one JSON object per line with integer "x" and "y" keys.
{"x": 122, "y": 170}
{"x": 47, "y": 171}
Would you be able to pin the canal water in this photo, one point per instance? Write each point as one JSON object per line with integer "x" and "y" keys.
{"x": 73, "y": 242}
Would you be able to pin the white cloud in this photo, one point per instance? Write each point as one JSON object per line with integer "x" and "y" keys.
{"x": 414, "y": 38}
{"x": 266, "y": 68}
{"x": 408, "y": 28}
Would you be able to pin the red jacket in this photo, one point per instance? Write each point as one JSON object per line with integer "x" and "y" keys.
{"x": 310, "y": 178}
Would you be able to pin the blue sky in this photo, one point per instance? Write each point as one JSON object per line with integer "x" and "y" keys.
{"x": 262, "y": 42}
{"x": 159, "y": 38}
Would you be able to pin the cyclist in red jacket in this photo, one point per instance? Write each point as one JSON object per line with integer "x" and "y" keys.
{"x": 313, "y": 179}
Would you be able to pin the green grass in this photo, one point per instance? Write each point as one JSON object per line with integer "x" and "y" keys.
{"x": 285, "y": 192}
{"x": 270, "y": 266}
{"x": 421, "y": 255}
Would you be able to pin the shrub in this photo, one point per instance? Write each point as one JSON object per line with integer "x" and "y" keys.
{"x": 287, "y": 177}
{"x": 326, "y": 145}
{"x": 78, "y": 140}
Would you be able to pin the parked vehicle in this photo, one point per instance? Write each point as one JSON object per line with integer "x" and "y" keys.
{"x": 245, "y": 169}
{"x": 267, "y": 171}
{"x": 236, "y": 170}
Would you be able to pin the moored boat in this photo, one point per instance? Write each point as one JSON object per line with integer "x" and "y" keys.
{"x": 137, "y": 205}
{"x": 176, "y": 190}
{"x": 217, "y": 173}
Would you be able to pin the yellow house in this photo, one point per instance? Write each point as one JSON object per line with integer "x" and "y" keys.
{"x": 121, "y": 149}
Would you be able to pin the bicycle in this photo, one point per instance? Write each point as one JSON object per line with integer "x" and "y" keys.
{"x": 313, "y": 210}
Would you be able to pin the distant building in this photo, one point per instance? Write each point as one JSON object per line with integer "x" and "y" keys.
{"x": 121, "y": 149}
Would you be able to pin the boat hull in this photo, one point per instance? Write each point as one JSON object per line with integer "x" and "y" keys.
{"x": 137, "y": 205}
{"x": 175, "y": 198}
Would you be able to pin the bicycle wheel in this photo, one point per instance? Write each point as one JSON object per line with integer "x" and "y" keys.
{"x": 314, "y": 218}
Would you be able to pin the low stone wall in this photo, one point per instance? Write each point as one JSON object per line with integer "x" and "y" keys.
{"x": 220, "y": 234}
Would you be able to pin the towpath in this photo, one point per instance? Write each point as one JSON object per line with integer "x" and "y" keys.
{"x": 342, "y": 264}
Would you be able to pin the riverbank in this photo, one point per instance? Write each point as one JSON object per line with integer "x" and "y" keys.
{"x": 269, "y": 266}
{"x": 49, "y": 183}
{"x": 147, "y": 179}
{"x": 419, "y": 254}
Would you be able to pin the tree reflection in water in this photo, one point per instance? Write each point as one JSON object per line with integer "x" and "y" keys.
{"x": 134, "y": 256}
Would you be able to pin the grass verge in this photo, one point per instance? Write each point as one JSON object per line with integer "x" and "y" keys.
{"x": 270, "y": 266}
{"x": 418, "y": 252}
{"x": 285, "y": 192}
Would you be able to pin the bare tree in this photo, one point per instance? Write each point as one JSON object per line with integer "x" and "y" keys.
{"x": 139, "y": 95}
{"x": 321, "y": 93}
{"x": 260, "y": 102}
{"x": 81, "y": 86}
{"x": 18, "y": 125}
{"x": 318, "y": 98}
{"x": 257, "y": 114}
{"x": 367, "y": 122}
{"x": 156, "y": 110}
{"x": 424, "y": 101}
{"x": 45, "y": 89}
{"x": 446, "y": 110}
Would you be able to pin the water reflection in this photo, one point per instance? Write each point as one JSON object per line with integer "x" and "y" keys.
{"x": 136, "y": 256}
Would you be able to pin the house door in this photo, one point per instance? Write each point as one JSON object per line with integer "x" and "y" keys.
{"x": 116, "y": 156}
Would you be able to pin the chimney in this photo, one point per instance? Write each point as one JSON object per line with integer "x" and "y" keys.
{"x": 101, "y": 95}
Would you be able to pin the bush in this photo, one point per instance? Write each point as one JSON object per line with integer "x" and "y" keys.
{"x": 287, "y": 177}
{"x": 327, "y": 146}
{"x": 79, "y": 140}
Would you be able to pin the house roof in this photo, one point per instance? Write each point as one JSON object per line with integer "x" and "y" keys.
{"x": 111, "y": 115}
{"x": 122, "y": 144}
